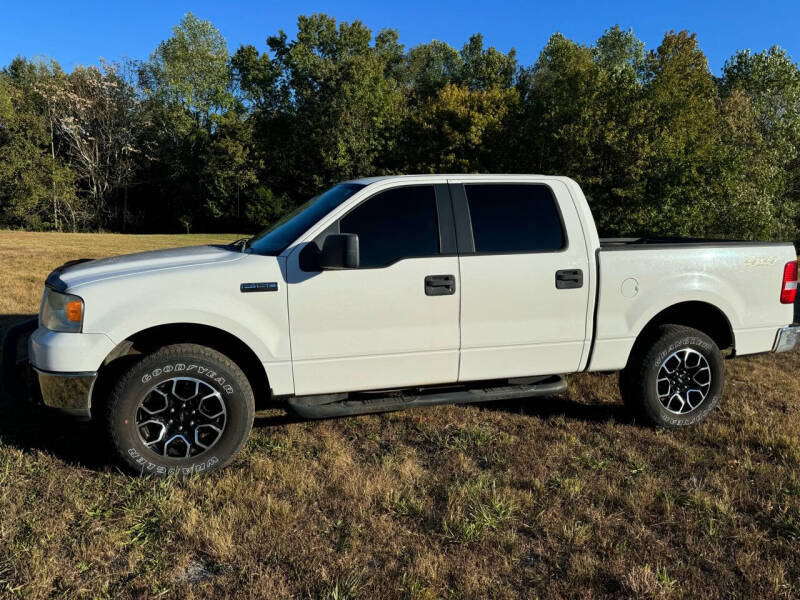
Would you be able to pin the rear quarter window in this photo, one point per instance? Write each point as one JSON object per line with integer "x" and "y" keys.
{"x": 514, "y": 218}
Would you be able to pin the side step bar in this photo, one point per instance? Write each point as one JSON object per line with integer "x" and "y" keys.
{"x": 345, "y": 405}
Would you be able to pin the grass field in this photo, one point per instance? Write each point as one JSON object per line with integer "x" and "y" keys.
{"x": 549, "y": 497}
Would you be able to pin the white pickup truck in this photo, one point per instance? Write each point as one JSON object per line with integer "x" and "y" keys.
{"x": 391, "y": 292}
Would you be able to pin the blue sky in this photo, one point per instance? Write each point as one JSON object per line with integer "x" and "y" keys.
{"x": 75, "y": 32}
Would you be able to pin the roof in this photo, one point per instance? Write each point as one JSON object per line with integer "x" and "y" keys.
{"x": 457, "y": 176}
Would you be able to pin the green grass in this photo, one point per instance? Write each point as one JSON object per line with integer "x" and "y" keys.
{"x": 548, "y": 497}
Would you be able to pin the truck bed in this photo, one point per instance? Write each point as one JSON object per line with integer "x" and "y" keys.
{"x": 639, "y": 277}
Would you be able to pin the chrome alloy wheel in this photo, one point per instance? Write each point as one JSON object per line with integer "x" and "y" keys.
{"x": 683, "y": 381}
{"x": 181, "y": 417}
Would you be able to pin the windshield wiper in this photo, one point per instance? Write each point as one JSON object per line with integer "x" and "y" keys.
{"x": 242, "y": 243}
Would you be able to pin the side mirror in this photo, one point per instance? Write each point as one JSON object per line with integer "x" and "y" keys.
{"x": 340, "y": 251}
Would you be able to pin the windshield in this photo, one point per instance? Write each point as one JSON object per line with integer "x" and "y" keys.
{"x": 277, "y": 237}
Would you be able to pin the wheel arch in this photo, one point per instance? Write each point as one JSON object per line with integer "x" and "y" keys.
{"x": 147, "y": 340}
{"x": 697, "y": 314}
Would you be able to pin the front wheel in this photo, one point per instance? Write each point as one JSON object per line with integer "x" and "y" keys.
{"x": 183, "y": 409}
{"x": 674, "y": 377}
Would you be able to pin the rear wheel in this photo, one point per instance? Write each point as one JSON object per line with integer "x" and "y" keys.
{"x": 183, "y": 409}
{"x": 674, "y": 377}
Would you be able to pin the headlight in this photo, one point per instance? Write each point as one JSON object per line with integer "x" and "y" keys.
{"x": 62, "y": 312}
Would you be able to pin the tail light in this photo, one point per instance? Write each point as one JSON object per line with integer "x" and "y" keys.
{"x": 789, "y": 289}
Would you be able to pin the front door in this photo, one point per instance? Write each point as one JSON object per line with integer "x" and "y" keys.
{"x": 394, "y": 321}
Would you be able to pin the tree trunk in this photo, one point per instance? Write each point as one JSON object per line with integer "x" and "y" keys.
{"x": 56, "y": 223}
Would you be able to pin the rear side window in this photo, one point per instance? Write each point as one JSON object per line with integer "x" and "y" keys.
{"x": 395, "y": 224}
{"x": 514, "y": 218}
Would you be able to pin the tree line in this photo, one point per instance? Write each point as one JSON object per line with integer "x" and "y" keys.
{"x": 196, "y": 139}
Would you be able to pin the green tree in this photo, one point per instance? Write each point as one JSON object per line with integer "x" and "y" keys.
{"x": 740, "y": 200}
{"x": 327, "y": 110}
{"x": 187, "y": 90}
{"x": 582, "y": 115}
{"x": 681, "y": 108}
{"x": 458, "y": 129}
{"x": 459, "y": 107}
{"x": 429, "y": 67}
{"x": 230, "y": 169}
{"x": 771, "y": 82}
{"x": 486, "y": 68}
{"x": 190, "y": 70}
{"x": 37, "y": 188}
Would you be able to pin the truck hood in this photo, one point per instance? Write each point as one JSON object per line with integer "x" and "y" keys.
{"x": 77, "y": 273}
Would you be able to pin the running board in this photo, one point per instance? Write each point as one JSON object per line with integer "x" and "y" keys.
{"x": 344, "y": 405}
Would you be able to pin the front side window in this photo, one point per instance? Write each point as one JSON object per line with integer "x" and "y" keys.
{"x": 395, "y": 224}
{"x": 514, "y": 218}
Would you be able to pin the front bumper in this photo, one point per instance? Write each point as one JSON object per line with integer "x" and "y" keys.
{"x": 60, "y": 352}
{"x": 786, "y": 339}
{"x": 69, "y": 392}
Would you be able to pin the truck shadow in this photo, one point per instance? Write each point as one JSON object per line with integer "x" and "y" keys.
{"x": 548, "y": 407}
{"x": 544, "y": 407}
{"x": 29, "y": 427}
{"x": 8, "y": 321}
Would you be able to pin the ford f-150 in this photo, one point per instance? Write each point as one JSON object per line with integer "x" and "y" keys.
{"x": 391, "y": 292}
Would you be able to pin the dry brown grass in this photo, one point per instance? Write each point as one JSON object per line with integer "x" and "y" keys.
{"x": 550, "y": 497}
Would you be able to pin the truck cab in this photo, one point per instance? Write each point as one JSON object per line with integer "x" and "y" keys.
{"x": 456, "y": 281}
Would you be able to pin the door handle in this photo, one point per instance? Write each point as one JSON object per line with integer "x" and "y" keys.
{"x": 440, "y": 285}
{"x": 569, "y": 278}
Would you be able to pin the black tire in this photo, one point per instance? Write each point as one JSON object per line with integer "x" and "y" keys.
{"x": 190, "y": 378}
{"x": 648, "y": 396}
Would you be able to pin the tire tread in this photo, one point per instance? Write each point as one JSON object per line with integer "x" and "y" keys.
{"x": 633, "y": 379}
{"x": 116, "y": 396}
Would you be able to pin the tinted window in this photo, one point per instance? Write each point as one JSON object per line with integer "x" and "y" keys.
{"x": 398, "y": 223}
{"x": 514, "y": 218}
{"x": 276, "y": 238}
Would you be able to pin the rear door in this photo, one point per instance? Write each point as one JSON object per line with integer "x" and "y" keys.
{"x": 524, "y": 288}
{"x": 393, "y": 322}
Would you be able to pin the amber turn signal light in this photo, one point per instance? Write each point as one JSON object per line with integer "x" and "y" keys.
{"x": 75, "y": 311}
